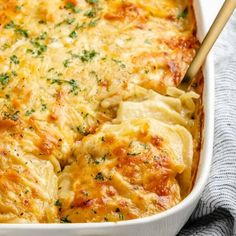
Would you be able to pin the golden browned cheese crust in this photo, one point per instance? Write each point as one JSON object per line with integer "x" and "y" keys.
{"x": 92, "y": 128}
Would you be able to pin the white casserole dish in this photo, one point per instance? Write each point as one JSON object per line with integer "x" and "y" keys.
{"x": 171, "y": 221}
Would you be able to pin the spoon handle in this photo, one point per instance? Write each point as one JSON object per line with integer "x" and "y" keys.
{"x": 215, "y": 30}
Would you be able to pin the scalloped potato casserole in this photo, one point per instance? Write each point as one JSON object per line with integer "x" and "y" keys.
{"x": 92, "y": 125}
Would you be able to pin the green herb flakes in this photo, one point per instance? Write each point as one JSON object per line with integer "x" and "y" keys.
{"x": 183, "y": 14}
{"x": 44, "y": 107}
{"x": 73, "y": 35}
{"x": 82, "y": 131}
{"x": 12, "y": 116}
{"x": 14, "y": 59}
{"x": 70, "y": 6}
{"x": 87, "y": 56}
{"x": 10, "y": 25}
{"x": 91, "y": 13}
{"x": 70, "y": 21}
{"x": 39, "y": 48}
{"x": 58, "y": 203}
{"x": 4, "y": 78}
{"x": 73, "y": 85}
{"x": 99, "y": 176}
{"x": 65, "y": 220}
{"x": 92, "y": 1}
{"x": 22, "y": 32}
{"x": 29, "y": 112}
{"x": 66, "y": 63}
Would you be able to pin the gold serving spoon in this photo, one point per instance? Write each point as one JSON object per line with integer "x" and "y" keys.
{"x": 208, "y": 42}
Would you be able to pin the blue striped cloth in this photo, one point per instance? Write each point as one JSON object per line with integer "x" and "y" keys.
{"x": 216, "y": 211}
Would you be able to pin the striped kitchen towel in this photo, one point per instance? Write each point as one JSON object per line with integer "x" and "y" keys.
{"x": 216, "y": 211}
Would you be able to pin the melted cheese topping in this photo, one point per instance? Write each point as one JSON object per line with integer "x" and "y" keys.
{"x": 127, "y": 169}
{"x": 75, "y": 72}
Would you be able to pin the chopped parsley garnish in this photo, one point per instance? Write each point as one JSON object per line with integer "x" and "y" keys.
{"x": 73, "y": 35}
{"x": 70, "y": 6}
{"x": 14, "y": 59}
{"x": 18, "y": 8}
{"x": 29, "y": 112}
{"x": 104, "y": 157}
{"x": 93, "y": 23}
{"x": 88, "y": 55}
{"x": 22, "y": 32}
{"x": 122, "y": 65}
{"x": 5, "y": 46}
{"x": 42, "y": 36}
{"x": 15, "y": 116}
{"x": 92, "y": 1}
{"x": 17, "y": 29}
{"x": 82, "y": 131}
{"x": 98, "y": 161}
{"x": 40, "y": 48}
{"x": 134, "y": 154}
{"x": 80, "y": 26}
{"x": 58, "y": 203}
{"x": 28, "y": 50}
{"x": 4, "y": 78}
{"x": 10, "y": 25}
{"x": 66, "y": 63}
{"x": 91, "y": 13}
{"x": 14, "y": 73}
{"x": 183, "y": 14}
{"x": 65, "y": 220}
{"x": 44, "y": 107}
{"x": 69, "y": 21}
{"x": 73, "y": 85}
{"x": 99, "y": 176}
{"x": 51, "y": 69}
{"x": 121, "y": 215}
{"x": 12, "y": 116}
{"x": 85, "y": 115}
